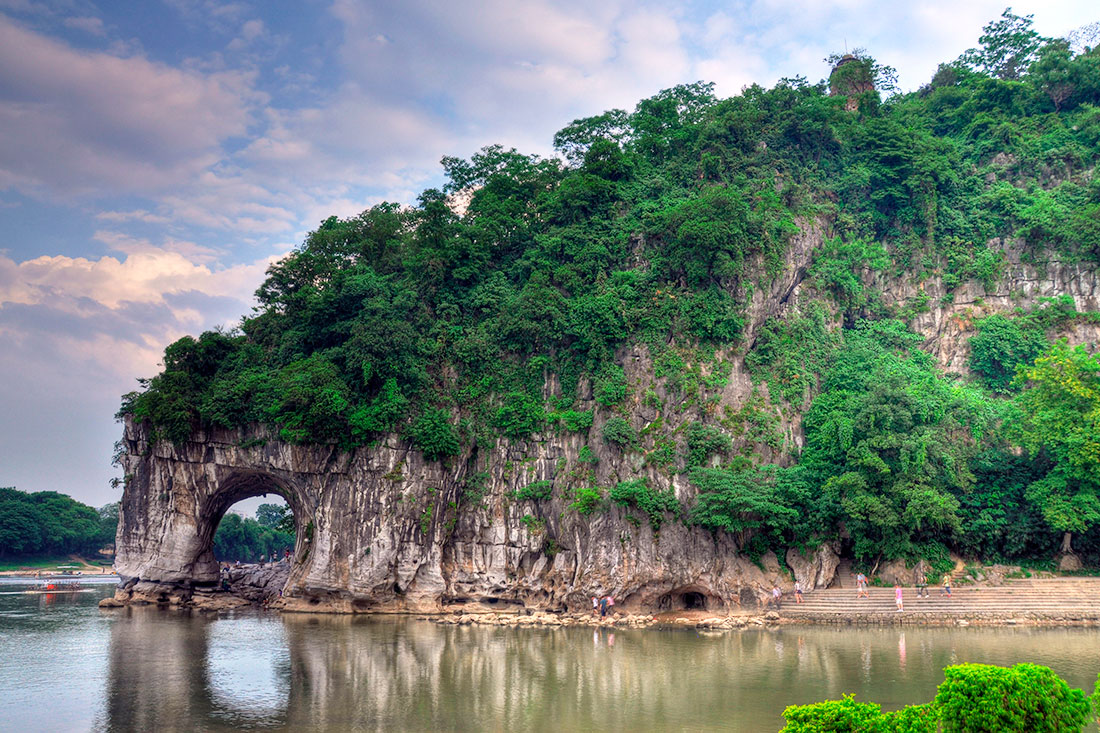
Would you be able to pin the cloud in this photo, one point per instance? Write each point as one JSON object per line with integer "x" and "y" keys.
{"x": 141, "y": 215}
{"x": 146, "y": 274}
{"x": 81, "y": 122}
{"x": 88, "y": 24}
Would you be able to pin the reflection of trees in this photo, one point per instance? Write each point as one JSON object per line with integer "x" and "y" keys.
{"x": 392, "y": 674}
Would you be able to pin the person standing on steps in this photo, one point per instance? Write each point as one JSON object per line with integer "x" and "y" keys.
{"x": 946, "y": 590}
{"x": 798, "y": 591}
{"x": 777, "y": 596}
{"x": 897, "y": 596}
{"x": 921, "y": 582}
{"x": 861, "y": 586}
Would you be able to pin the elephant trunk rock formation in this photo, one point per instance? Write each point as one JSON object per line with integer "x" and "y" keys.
{"x": 380, "y": 529}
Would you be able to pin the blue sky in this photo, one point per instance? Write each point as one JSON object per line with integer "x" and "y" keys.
{"x": 157, "y": 155}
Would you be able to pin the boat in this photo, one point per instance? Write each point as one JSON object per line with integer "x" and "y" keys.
{"x": 65, "y": 571}
{"x": 58, "y": 586}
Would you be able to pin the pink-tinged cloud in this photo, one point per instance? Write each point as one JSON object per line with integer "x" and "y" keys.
{"x": 82, "y": 122}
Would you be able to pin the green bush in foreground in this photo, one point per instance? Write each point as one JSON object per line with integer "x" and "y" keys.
{"x": 973, "y": 698}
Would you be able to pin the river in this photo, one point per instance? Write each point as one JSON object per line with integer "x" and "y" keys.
{"x": 69, "y": 666}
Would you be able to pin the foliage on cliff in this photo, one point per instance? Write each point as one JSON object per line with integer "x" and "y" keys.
{"x": 445, "y": 321}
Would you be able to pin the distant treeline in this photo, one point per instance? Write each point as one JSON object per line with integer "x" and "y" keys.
{"x": 49, "y": 523}
{"x": 249, "y": 540}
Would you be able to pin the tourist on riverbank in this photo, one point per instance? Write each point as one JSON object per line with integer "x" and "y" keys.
{"x": 603, "y": 607}
{"x": 861, "y": 586}
{"x": 946, "y": 590}
{"x": 921, "y": 582}
{"x": 777, "y": 596}
{"x": 798, "y": 591}
{"x": 610, "y": 604}
{"x": 595, "y": 606}
{"x": 897, "y": 597}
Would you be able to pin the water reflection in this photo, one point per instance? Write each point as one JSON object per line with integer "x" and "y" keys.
{"x": 69, "y": 666}
{"x": 170, "y": 671}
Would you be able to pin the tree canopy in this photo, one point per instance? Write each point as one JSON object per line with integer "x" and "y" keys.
{"x": 500, "y": 305}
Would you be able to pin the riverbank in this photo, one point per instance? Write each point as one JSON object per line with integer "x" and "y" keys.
{"x": 1053, "y": 602}
{"x": 31, "y": 567}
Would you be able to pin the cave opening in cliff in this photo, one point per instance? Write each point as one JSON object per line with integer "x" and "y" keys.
{"x": 682, "y": 600}
{"x": 693, "y": 600}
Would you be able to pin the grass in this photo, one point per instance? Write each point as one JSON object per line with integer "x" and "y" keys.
{"x": 46, "y": 562}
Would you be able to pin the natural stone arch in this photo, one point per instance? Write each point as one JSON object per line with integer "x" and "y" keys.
{"x": 238, "y": 485}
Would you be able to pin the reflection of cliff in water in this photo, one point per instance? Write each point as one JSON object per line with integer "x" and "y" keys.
{"x": 172, "y": 672}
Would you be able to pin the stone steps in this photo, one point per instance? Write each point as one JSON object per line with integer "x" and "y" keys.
{"x": 1075, "y": 598}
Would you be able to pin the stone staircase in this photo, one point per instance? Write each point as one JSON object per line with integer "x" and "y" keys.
{"x": 1070, "y": 601}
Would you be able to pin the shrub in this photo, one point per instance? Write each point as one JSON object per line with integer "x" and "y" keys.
{"x": 587, "y": 500}
{"x": 576, "y": 422}
{"x": 835, "y": 716}
{"x": 519, "y": 416}
{"x": 652, "y": 502}
{"x": 618, "y": 431}
{"x": 1026, "y": 698}
{"x": 610, "y": 386}
{"x": 433, "y": 435}
{"x": 1000, "y": 346}
{"x": 537, "y": 491}
{"x": 704, "y": 440}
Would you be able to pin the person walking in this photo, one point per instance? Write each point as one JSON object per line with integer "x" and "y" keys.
{"x": 603, "y": 607}
{"x": 861, "y": 586}
{"x": 777, "y": 597}
{"x": 610, "y": 601}
{"x": 897, "y": 597}
{"x": 946, "y": 590}
{"x": 595, "y": 606}
{"x": 798, "y": 591}
{"x": 921, "y": 582}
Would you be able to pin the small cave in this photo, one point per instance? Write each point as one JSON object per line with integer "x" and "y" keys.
{"x": 693, "y": 600}
{"x": 689, "y": 599}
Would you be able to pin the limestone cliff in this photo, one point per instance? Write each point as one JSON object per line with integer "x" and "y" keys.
{"x": 382, "y": 529}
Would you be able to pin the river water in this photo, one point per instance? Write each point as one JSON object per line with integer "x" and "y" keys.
{"x": 69, "y": 666}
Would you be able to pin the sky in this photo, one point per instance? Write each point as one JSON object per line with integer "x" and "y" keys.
{"x": 156, "y": 156}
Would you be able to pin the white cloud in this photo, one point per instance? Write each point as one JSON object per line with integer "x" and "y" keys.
{"x": 147, "y": 274}
{"x": 141, "y": 215}
{"x": 77, "y": 121}
{"x": 88, "y": 24}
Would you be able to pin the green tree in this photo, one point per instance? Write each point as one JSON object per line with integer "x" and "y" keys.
{"x": 1008, "y": 47}
{"x": 1059, "y": 416}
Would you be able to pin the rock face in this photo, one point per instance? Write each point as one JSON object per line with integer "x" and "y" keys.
{"x": 382, "y": 529}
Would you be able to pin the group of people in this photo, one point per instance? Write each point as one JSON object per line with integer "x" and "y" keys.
{"x": 602, "y": 606}
{"x": 777, "y": 594}
{"x": 920, "y": 580}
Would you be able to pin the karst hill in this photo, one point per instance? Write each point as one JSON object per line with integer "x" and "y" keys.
{"x": 716, "y": 344}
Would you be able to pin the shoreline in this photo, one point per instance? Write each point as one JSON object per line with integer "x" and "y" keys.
{"x": 739, "y": 622}
{"x": 699, "y": 620}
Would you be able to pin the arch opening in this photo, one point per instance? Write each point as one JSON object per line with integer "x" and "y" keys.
{"x": 250, "y": 552}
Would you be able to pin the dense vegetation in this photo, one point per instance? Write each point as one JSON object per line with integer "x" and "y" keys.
{"x": 49, "y": 523}
{"x": 442, "y": 322}
{"x": 973, "y": 698}
{"x": 248, "y": 540}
